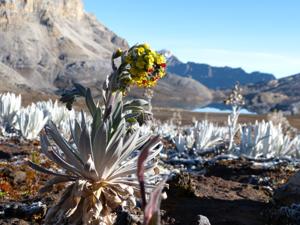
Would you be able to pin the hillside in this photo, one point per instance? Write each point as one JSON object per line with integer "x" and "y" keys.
{"x": 48, "y": 42}
{"x": 282, "y": 94}
{"x": 214, "y": 77}
{"x": 169, "y": 93}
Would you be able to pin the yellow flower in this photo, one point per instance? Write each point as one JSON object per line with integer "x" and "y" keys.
{"x": 149, "y": 59}
{"x": 146, "y": 46}
{"x": 145, "y": 65}
{"x": 160, "y": 59}
{"x": 161, "y": 74}
{"x": 144, "y": 74}
{"x": 140, "y": 51}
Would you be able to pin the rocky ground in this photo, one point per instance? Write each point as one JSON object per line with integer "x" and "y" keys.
{"x": 226, "y": 191}
{"x": 229, "y": 193}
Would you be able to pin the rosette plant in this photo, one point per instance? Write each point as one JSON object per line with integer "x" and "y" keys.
{"x": 100, "y": 166}
{"x": 10, "y": 105}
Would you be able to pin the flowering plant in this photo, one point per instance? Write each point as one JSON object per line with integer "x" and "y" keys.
{"x": 145, "y": 65}
{"x": 236, "y": 100}
{"x": 98, "y": 161}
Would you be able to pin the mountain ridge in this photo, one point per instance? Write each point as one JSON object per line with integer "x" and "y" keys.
{"x": 277, "y": 95}
{"x": 214, "y": 77}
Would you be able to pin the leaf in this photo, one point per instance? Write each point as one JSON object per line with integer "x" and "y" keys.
{"x": 85, "y": 146}
{"x": 152, "y": 209}
{"x": 76, "y": 132}
{"x": 90, "y": 102}
{"x": 137, "y": 102}
{"x": 81, "y": 89}
{"x": 96, "y": 122}
{"x": 89, "y": 167}
{"x": 141, "y": 165}
{"x": 71, "y": 155}
{"x": 44, "y": 170}
{"x": 99, "y": 148}
{"x": 56, "y": 180}
{"x": 133, "y": 108}
{"x": 83, "y": 123}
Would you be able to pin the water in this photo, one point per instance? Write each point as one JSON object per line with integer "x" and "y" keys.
{"x": 220, "y": 108}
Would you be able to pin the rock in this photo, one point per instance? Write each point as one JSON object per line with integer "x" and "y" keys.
{"x": 289, "y": 193}
{"x": 203, "y": 220}
{"x": 22, "y": 210}
{"x": 14, "y": 222}
{"x": 19, "y": 177}
{"x": 5, "y": 155}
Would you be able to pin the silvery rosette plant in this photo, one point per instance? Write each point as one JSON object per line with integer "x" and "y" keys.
{"x": 100, "y": 165}
{"x": 10, "y": 104}
{"x": 266, "y": 140}
{"x": 207, "y": 134}
{"x": 236, "y": 100}
{"x": 31, "y": 121}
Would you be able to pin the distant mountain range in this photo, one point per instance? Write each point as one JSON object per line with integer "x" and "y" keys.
{"x": 282, "y": 94}
{"x": 214, "y": 77}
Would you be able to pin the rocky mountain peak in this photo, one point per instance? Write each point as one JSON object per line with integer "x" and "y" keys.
{"x": 214, "y": 77}
{"x": 170, "y": 57}
{"x": 52, "y": 43}
{"x": 166, "y": 53}
{"x": 13, "y": 11}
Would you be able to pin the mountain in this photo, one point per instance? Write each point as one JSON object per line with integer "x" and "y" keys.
{"x": 53, "y": 42}
{"x": 46, "y": 45}
{"x": 213, "y": 77}
{"x": 169, "y": 93}
{"x": 282, "y": 94}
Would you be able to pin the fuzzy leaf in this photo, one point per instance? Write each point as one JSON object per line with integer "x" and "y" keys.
{"x": 90, "y": 102}
{"x": 152, "y": 209}
{"x": 96, "y": 122}
{"x": 141, "y": 165}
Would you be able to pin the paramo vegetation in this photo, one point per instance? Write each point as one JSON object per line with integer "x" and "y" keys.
{"x": 114, "y": 155}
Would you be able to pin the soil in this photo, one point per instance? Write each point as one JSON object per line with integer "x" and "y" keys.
{"x": 221, "y": 201}
{"x": 227, "y": 192}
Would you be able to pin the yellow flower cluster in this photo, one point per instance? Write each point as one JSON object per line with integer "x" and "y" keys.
{"x": 146, "y": 65}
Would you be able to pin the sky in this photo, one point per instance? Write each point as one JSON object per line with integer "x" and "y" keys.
{"x": 256, "y": 35}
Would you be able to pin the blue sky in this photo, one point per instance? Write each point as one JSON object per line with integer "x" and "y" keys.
{"x": 257, "y": 35}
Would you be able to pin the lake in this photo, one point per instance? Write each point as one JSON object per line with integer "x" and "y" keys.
{"x": 220, "y": 108}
